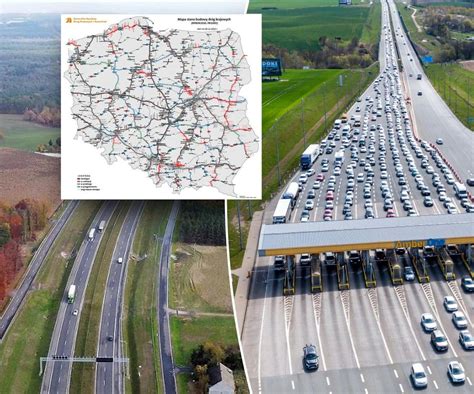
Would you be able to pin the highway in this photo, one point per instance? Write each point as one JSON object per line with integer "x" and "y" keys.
{"x": 57, "y": 374}
{"x": 367, "y": 339}
{"x": 35, "y": 264}
{"x": 109, "y": 375}
{"x": 166, "y": 352}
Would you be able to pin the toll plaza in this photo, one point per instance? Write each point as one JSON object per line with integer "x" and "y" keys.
{"x": 418, "y": 242}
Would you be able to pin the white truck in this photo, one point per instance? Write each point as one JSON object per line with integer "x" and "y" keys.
{"x": 291, "y": 193}
{"x": 71, "y": 294}
{"x": 101, "y": 226}
{"x": 282, "y": 211}
{"x": 460, "y": 190}
{"x": 91, "y": 234}
{"x": 309, "y": 156}
{"x": 339, "y": 158}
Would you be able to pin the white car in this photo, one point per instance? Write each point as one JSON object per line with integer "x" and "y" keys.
{"x": 75, "y": 312}
{"x": 418, "y": 376}
{"x": 303, "y": 178}
{"x": 428, "y": 322}
{"x": 456, "y": 372}
{"x": 120, "y": 260}
{"x": 305, "y": 259}
{"x": 309, "y": 204}
{"x": 360, "y": 177}
{"x": 459, "y": 320}
{"x": 450, "y": 304}
{"x": 310, "y": 172}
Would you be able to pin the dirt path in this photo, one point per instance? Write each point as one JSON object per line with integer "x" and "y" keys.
{"x": 414, "y": 19}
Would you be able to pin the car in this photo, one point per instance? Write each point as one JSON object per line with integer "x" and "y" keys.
{"x": 305, "y": 259}
{"x": 450, "y": 304}
{"x": 320, "y": 176}
{"x": 409, "y": 273}
{"x": 316, "y": 185}
{"x": 418, "y": 376}
{"x": 360, "y": 177}
{"x": 459, "y": 320}
{"x": 329, "y": 204}
{"x": 279, "y": 263}
{"x": 428, "y": 201}
{"x": 467, "y": 283}
{"x": 120, "y": 260}
{"x": 439, "y": 141}
{"x": 420, "y": 93}
{"x": 470, "y": 181}
{"x": 466, "y": 340}
{"x": 456, "y": 372}
{"x": 439, "y": 341}
{"x": 110, "y": 338}
{"x": 75, "y": 312}
{"x": 310, "y": 358}
{"x": 311, "y": 194}
{"x": 310, "y": 172}
{"x": 428, "y": 322}
{"x": 309, "y": 204}
{"x": 303, "y": 178}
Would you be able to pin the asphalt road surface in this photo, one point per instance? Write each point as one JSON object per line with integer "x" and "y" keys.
{"x": 35, "y": 264}
{"x": 166, "y": 353}
{"x": 109, "y": 375}
{"x": 367, "y": 339}
{"x": 57, "y": 374}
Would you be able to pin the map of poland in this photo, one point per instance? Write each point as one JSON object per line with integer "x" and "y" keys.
{"x": 165, "y": 101}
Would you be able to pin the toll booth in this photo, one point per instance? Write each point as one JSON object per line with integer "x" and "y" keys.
{"x": 342, "y": 272}
{"x": 316, "y": 277}
{"x": 466, "y": 258}
{"x": 290, "y": 276}
{"x": 446, "y": 264}
{"x": 395, "y": 266}
{"x": 419, "y": 263}
{"x": 368, "y": 269}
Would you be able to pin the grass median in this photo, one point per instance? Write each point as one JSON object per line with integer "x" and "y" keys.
{"x": 30, "y": 335}
{"x": 139, "y": 317}
{"x": 83, "y": 375}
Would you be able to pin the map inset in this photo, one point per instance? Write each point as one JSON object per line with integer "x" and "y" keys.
{"x": 165, "y": 101}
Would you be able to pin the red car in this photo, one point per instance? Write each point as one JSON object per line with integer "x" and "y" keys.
{"x": 329, "y": 195}
{"x": 390, "y": 213}
{"x": 320, "y": 177}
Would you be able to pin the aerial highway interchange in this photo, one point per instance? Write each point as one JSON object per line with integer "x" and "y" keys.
{"x": 410, "y": 156}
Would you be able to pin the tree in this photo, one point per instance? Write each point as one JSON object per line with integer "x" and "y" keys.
{"x": 4, "y": 233}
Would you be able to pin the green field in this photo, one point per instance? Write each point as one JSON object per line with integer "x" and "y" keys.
{"x": 30, "y": 335}
{"x": 256, "y": 5}
{"x": 24, "y": 135}
{"x": 139, "y": 318}
{"x": 83, "y": 375}
{"x": 300, "y": 29}
{"x": 455, "y": 86}
{"x": 279, "y": 97}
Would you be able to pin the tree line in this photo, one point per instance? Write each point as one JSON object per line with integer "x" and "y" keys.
{"x": 19, "y": 224}
{"x": 202, "y": 222}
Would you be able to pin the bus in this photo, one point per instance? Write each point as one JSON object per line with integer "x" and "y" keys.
{"x": 282, "y": 211}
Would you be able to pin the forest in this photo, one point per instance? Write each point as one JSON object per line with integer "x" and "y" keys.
{"x": 19, "y": 224}
{"x": 202, "y": 222}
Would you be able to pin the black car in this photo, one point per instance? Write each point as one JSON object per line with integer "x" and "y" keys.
{"x": 470, "y": 181}
{"x": 310, "y": 358}
{"x": 467, "y": 284}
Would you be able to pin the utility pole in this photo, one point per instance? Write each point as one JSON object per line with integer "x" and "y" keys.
{"x": 240, "y": 227}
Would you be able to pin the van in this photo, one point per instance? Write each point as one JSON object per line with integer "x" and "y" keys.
{"x": 337, "y": 124}
{"x": 460, "y": 190}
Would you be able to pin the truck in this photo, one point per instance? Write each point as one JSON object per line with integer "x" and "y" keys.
{"x": 101, "y": 226}
{"x": 339, "y": 158}
{"x": 309, "y": 156}
{"x": 460, "y": 190}
{"x": 91, "y": 234}
{"x": 282, "y": 211}
{"x": 71, "y": 294}
{"x": 292, "y": 193}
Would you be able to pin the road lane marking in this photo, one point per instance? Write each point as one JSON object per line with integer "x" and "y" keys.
{"x": 429, "y": 369}
{"x": 316, "y": 321}
{"x": 259, "y": 369}
{"x": 435, "y": 384}
{"x": 362, "y": 378}
{"x": 401, "y": 387}
{"x": 293, "y": 384}
{"x": 348, "y": 324}
{"x": 329, "y": 382}
{"x": 366, "y": 391}
{"x": 396, "y": 373}
{"x": 469, "y": 381}
{"x": 377, "y": 320}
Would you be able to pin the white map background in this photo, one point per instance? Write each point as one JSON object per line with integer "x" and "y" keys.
{"x": 119, "y": 180}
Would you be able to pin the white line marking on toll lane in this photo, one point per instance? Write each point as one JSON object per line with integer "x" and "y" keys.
{"x": 401, "y": 387}
{"x": 469, "y": 381}
{"x": 293, "y": 384}
{"x": 429, "y": 370}
{"x": 396, "y": 373}
{"x": 366, "y": 391}
{"x": 362, "y": 378}
{"x": 435, "y": 384}
{"x": 329, "y": 382}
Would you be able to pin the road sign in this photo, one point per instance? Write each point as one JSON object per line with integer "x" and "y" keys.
{"x": 436, "y": 242}
{"x": 427, "y": 59}
{"x": 271, "y": 67}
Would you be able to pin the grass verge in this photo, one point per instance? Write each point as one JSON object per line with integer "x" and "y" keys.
{"x": 139, "y": 312}
{"x": 83, "y": 375}
{"x": 30, "y": 335}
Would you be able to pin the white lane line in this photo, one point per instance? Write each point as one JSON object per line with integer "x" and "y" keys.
{"x": 401, "y": 387}
{"x": 329, "y": 382}
{"x": 366, "y": 391}
{"x": 435, "y": 384}
{"x": 259, "y": 373}
{"x": 429, "y": 369}
{"x": 396, "y": 373}
{"x": 362, "y": 378}
{"x": 293, "y": 384}
{"x": 469, "y": 381}
{"x": 321, "y": 353}
{"x": 288, "y": 348}
{"x": 347, "y": 318}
